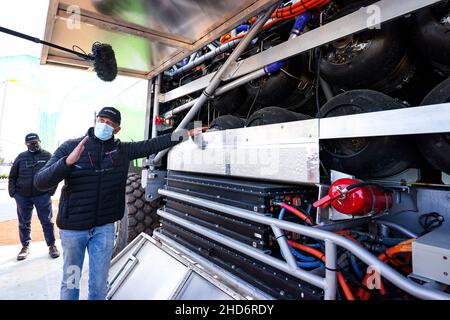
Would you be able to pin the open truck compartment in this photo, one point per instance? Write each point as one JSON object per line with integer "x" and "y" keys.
{"x": 325, "y": 170}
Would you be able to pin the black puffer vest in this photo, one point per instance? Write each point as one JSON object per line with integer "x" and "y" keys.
{"x": 25, "y": 167}
{"x": 94, "y": 188}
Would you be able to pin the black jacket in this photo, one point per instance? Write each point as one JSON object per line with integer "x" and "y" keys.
{"x": 23, "y": 171}
{"x": 94, "y": 187}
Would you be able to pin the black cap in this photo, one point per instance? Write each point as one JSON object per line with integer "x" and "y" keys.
{"x": 111, "y": 113}
{"x": 32, "y": 137}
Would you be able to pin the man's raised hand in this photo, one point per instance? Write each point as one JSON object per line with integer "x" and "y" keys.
{"x": 75, "y": 155}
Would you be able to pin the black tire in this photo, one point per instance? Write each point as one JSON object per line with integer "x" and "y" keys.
{"x": 382, "y": 64}
{"x": 273, "y": 89}
{"x": 436, "y": 147}
{"x": 229, "y": 102}
{"x": 140, "y": 215}
{"x": 272, "y": 115}
{"x": 227, "y": 122}
{"x": 432, "y": 37}
{"x": 373, "y": 157}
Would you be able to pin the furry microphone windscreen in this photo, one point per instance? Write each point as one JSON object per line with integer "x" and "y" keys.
{"x": 105, "y": 64}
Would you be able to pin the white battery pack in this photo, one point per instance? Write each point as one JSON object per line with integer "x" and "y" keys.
{"x": 431, "y": 256}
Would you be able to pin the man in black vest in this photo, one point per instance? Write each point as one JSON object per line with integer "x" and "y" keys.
{"x": 21, "y": 188}
{"x": 94, "y": 169}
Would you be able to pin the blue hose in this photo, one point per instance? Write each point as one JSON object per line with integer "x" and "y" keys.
{"x": 314, "y": 245}
{"x": 308, "y": 262}
{"x": 281, "y": 215}
{"x": 274, "y": 67}
{"x": 242, "y": 27}
{"x": 355, "y": 267}
{"x": 301, "y": 257}
{"x": 314, "y": 264}
{"x": 301, "y": 23}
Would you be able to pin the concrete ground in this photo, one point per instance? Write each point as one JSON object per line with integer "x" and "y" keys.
{"x": 36, "y": 278}
{"x": 9, "y": 233}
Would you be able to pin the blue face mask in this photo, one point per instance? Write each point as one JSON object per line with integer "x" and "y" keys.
{"x": 103, "y": 131}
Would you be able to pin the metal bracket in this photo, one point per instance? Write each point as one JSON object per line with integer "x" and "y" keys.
{"x": 445, "y": 178}
{"x": 156, "y": 179}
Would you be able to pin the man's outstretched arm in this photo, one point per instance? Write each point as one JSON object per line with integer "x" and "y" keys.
{"x": 142, "y": 149}
{"x": 58, "y": 166}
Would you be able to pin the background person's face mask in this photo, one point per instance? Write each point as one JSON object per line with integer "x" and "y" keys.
{"x": 34, "y": 147}
{"x": 103, "y": 131}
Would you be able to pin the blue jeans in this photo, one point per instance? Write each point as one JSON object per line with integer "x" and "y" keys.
{"x": 99, "y": 242}
{"x": 43, "y": 204}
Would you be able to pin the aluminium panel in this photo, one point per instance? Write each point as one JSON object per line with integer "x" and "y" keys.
{"x": 431, "y": 256}
{"x": 147, "y": 270}
{"x": 190, "y": 19}
{"x": 286, "y": 152}
{"x": 145, "y": 280}
{"x": 198, "y": 288}
{"x": 416, "y": 120}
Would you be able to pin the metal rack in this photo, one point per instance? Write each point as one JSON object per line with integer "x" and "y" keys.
{"x": 332, "y": 241}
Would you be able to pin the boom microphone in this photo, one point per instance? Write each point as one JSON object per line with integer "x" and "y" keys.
{"x": 105, "y": 64}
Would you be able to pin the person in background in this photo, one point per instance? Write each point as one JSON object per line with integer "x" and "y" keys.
{"x": 95, "y": 169}
{"x": 21, "y": 188}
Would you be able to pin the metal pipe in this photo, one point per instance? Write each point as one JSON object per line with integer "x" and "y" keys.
{"x": 217, "y": 79}
{"x": 246, "y": 249}
{"x": 222, "y": 49}
{"x": 156, "y": 104}
{"x": 387, "y": 272}
{"x": 176, "y": 110}
{"x": 398, "y": 228}
{"x": 221, "y": 90}
{"x": 284, "y": 247}
{"x": 344, "y": 224}
{"x": 212, "y": 268}
{"x": 330, "y": 272}
{"x": 236, "y": 83}
{"x": 326, "y": 89}
{"x": 241, "y": 81}
{"x": 148, "y": 110}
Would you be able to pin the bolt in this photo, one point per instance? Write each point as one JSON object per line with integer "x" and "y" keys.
{"x": 446, "y": 273}
{"x": 444, "y": 257}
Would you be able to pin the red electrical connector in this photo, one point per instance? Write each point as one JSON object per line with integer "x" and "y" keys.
{"x": 159, "y": 120}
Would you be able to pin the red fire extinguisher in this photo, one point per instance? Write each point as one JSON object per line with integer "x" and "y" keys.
{"x": 356, "y": 198}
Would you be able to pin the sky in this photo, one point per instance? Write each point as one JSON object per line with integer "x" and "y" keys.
{"x": 26, "y": 16}
{"x": 60, "y": 99}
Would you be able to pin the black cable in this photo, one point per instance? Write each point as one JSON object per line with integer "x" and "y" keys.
{"x": 37, "y": 40}
{"x": 366, "y": 183}
{"x": 318, "y": 53}
{"x": 430, "y": 221}
{"x": 75, "y": 46}
{"x": 253, "y": 103}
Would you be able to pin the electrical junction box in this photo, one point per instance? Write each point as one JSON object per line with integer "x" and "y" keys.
{"x": 431, "y": 256}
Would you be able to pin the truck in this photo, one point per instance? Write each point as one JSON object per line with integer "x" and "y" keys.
{"x": 324, "y": 171}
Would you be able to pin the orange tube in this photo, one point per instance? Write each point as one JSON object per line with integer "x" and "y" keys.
{"x": 312, "y": 251}
{"x": 318, "y": 254}
{"x": 403, "y": 247}
{"x": 347, "y": 292}
{"x": 299, "y": 7}
{"x": 297, "y": 213}
{"x": 281, "y": 15}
